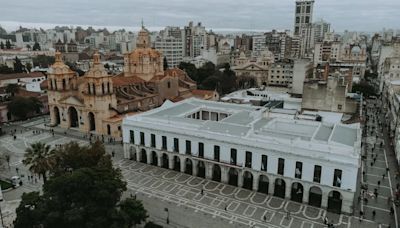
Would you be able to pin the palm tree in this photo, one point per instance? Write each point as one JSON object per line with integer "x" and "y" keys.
{"x": 40, "y": 158}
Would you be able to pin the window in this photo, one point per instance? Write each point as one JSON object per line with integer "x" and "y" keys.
{"x": 102, "y": 88}
{"x": 176, "y": 145}
{"x": 298, "y": 9}
{"x": 281, "y": 166}
{"x": 317, "y": 173}
{"x": 108, "y": 87}
{"x": 339, "y": 107}
{"x": 233, "y": 156}
{"x": 142, "y": 138}
{"x": 88, "y": 88}
{"x": 216, "y": 153}
{"x": 94, "y": 89}
{"x": 264, "y": 162}
{"x": 164, "y": 142}
{"x": 132, "y": 136}
{"x": 307, "y": 19}
{"x": 299, "y": 170}
{"x": 308, "y": 10}
{"x": 337, "y": 178}
{"x": 64, "y": 85}
{"x": 169, "y": 85}
{"x": 248, "y": 159}
{"x": 153, "y": 140}
{"x": 188, "y": 147}
{"x": 297, "y": 19}
{"x": 201, "y": 150}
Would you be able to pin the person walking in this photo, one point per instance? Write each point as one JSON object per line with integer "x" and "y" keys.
{"x": 383, "y": 176}
{"x": 373, "y": 214}
{"x": 391, "y": 211}
{"x": 288, "y": 215}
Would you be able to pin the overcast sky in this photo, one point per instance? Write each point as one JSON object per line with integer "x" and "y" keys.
{"x": 360, "y": 15}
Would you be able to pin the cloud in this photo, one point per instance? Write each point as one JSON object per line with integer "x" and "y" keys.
{"x": 363, "y": 15}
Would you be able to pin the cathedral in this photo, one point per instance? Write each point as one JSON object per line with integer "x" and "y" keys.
{"x": 97, "y": 102}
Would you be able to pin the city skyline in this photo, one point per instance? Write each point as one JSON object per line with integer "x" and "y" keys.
{"x": 252, "y": 16}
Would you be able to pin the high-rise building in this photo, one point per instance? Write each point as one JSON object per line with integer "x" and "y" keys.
{"x": 303, "y": 25}
{"x": 170, "y": 42}
{"x": 195, "y": 39}
{"x": 320, "y": 28}
{"x": 259, "y": 45}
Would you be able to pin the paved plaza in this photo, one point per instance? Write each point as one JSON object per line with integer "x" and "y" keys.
{"x": 178, "y": 196}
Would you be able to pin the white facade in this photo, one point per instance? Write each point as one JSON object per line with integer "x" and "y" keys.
{"x": 259, "y": 45}
{"x": 306, "y": 161}
{"x": 171, "y": 43}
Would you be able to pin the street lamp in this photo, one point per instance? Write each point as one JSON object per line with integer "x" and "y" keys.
{"x": 166, "y": 209}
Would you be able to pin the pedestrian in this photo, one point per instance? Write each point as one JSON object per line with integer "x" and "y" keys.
{"x": 288, "y": 215}
{"x": 17, "y": 170}
{"x": 379, "y": 183}
{"x": 391, "y": 211}
{"x": 373, "y": 214}
{"x": 361, "y": 215}
{"x": 383, "y": 176}
{"x": 363, "y": 173}
{"x": 202, "y": 192}
{"x": 225, "y": 207}
{"x": 387, "y": 169}
{"x": 113, "y": 153}
{"x": 35, "y": 180}
{"x": 326, "y": 220}
{"x": 374, "y": 159}
{"x": 389, "y": 199}
{"x": 29, "y": 178}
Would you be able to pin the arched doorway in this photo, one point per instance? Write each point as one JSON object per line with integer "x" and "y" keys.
{"x": 143, "y": 156}
{"x": 279, "y": 188}
{"x": 177, "y": 163}
{"x": 92, "y": 122}
{"x": 132, "y": 152}
{"x": 315, "y": 196}
{"x": 335, "y": 202}
{"x": 248, "y": 180}
{"x": 297, "y": 192}
{"x": 188, "y": 166}
{"x": 263, "y": 184}
{"x": 165, "y": 161}
{"x": 56, "y": 114}
{"x": 154, "y": 158}
{"x": 216, "y": 175}
{"x": 73, "y": 117}
{"x": 201, "y": 169}
{"x": 233, "y": 177}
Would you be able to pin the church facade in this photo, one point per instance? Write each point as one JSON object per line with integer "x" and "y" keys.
{"x": 97, "y": 102}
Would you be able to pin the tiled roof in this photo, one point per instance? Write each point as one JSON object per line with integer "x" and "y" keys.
{"x": 21, "y": 75}
{"x": 121, "y": 80}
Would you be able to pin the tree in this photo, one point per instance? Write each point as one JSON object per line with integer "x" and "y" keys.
{"x": 28, "y": 67}
{"x": 8, "y": 44}
{"x": 12, "y": 89}
{"x": 4, "y": 69}
{"x": 40, "y": 159}
{"x": 2, "y": 45}
{"x": 28, "y": 46}
{"x": 84, "y": 191}
{"x": 18, "y": 66}
{"x": 165, "y": 63}
{"x": 36, "y": 46}
{"x": 21, "y": 107}
{"x": 107, "y": 66}
{"x": 43, "y": 61}
{"x": 363, "y": 87}
{"x": 190, "y": 69}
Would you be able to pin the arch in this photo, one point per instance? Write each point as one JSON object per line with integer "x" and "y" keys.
{"x": 279, "y": 188}
{"x": 188, "y": 166}
{"x": 108, "y": 87}
{"x": 334, "y": 202}
{"x": 56, "y": 115}
{"x": 64, "y": 86}
{"x": 143, "y": 156}
{"x": 73, "y": 117}
{"x": 201, "y": 169}
{"x": 164, "y": 161}
{"x": 248, "y": 180}
{"x": 263, "y": 184}
{"x": 88, "y": 88}
{"x": 177, "y": 163}
{"x": 315, "y": 196}
{"x": 216, "y": 174}
{"x": 94, "y": 89}
{"x": 132, "y": 153}
{"x": 92, "y": 121}
{"x": 102, "y": 88}
{"x": 154, "y": 158}
{"x": 233, "y": 177}
{"x": 297, "y": 192}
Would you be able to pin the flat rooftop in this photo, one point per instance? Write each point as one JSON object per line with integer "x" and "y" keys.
{"x": 225, "y": 121}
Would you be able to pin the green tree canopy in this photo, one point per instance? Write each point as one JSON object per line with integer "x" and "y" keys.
{"x": 4, "y": 69}
{"x": 12, "y": 89}
{"x": 190, "y": 69}
{"x": 36, "y": 46}
{"x": 43, "y": 61}
{"x": 21, "y": 107}
{"x": 18, "y": 66}
{"x": 8, "y": 44}
{"x": 84, "y": 191}
{"x": 365, "y": 88}
{"x": 2, "y": 45}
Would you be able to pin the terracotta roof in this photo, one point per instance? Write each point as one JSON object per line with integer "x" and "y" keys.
{"x": 121, "y": 80}
{"x": 21, "y": 75}
{"x": 201, "y": 92}
{"x": 174, "y": 72}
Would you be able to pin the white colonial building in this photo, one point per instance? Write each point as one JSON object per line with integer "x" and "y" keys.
{"x": 305, "y": 161}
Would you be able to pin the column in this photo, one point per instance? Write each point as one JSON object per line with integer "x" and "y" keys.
{"x": 127, "y": 154}
{"x": 170, "y": 162}
{"x": 183, "y": 164}
{"x": 194, "y": 163}
{"x": 255, "y": 181}
{"x": 240, "y": 179}
{"x": 149, "y": 157}
{"x": 288, "y": 190}
{"x": 306, "y": 194}
{"x": 208, "y": 171}
{"x": 139, "y": 155}
{"x": 159, "y": 159}
{"x": 324, "y": 200}
{"x": 224, "y": 174}
{"x": 271, "y": 185}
